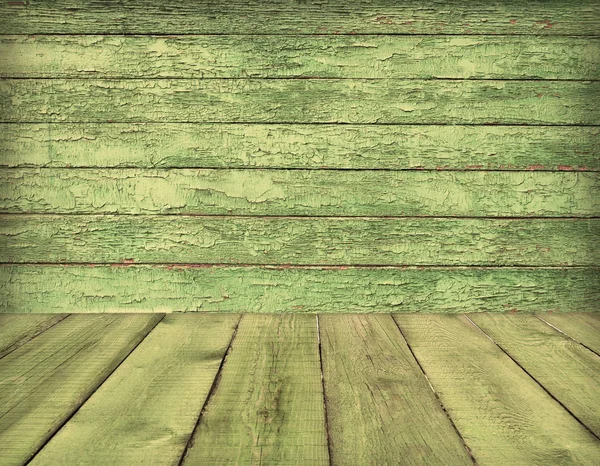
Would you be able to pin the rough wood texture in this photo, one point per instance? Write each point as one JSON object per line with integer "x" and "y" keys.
{"x": 146, "y": 411}
{"x": 300, "y": 101}
{"x": 167, "y": 145}
{"x": 380, "y": 407}
{"x": 572, "y": 17}
{"x": 477, "y": 383}
{"x": 288, "y": 289}
{"x": 18, "y": 329}
{"x": 570, "y": 372}
{"x": 305, "y": 241}
{"x": 45, "y": 381}
{"x": 301, "y": 192}
{"x": 584, "y": 328}
{"x": 268, "y": 405}
{"x": 225, "y": 56}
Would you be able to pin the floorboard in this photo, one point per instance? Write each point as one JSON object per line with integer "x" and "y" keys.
{"x": 268, "y": 405}
{"x": 375, "y": 391}
{"x": 569, "y": 371}
{"x": 504, "y": 416}
{"x": 582, "y": 327}
{"x": 18, "y": 329}
{"x": 45, "y": 381}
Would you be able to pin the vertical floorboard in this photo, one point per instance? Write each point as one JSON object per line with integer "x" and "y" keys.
{"x": 268, "y": 405}
{"x": 146, "y": 411}
{"x": 380, "y": 407}
{"x": 46, "y": 380}
{"x": 582, "y": 327}
{"x": 569, "y": 371}
{"x": 18, "y": 329}
{"x": 503, "y": 414}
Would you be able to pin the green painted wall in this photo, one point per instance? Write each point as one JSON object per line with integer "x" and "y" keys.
{"x": 306, "y": 157}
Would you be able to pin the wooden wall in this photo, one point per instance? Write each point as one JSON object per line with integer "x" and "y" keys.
{"x": 299, "y": 156}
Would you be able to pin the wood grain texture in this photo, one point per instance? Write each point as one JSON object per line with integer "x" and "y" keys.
{"x": 304, "y": 241}
{"x": 146, "y": 411}
{"x": 300, "y": 101}
{"x": 504, "y": 416}
{"x": 18, "y": 329}
{"x": 301, "y": 192}
{"x": 180, "y": 145}
{"x": 268, "y": 405}
{"x": 584, "y": 328}
{"x": 47, "y": 380}
{"x": 569, "y": 371}
{"x": 129, "y": 288}
{"x": 223, "y": 56}
{"x": 572, "y": 17}
{"x": 380, "y": 407}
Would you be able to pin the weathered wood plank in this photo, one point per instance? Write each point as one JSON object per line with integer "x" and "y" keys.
{"x": 572, "y": 17}
{"x": 268, "y": 406}
{"x": 225, "y": 56}
{"x": 147, "y": 409}
{"x": 45, "y": 381}
{"x": 296, "y": 289}
{"x": 380, "y": 407}
{"x": 180, "y": 145}
{"x": 300, "y": 241}
{"x": 18, "y": 329}
{"x": 569, "y": 371}
{"x": 299, "y": 146}
{"x": 504, "y": 416}
{"x": 584, "y": 328}
{"x": 300, "y": 101}
{"x": 301, "y": 192}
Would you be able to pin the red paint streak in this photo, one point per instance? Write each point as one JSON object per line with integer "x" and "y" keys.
{"x": 128, "y": 261}
{"x": 547, "y": 23}
{"x": 408, "y": 23}
{"x": 539, "y": 95}
{"x": 384, "y": 20}
{"x": 297, "y": 307}
{"x": 513, "y": 310}
{"x": 16, "y": 3}
{"x": 535, "y": 167}
{"x": 513, "y": 21}
{"x": 566, "y": 168}
{"x": 473, "y": 166}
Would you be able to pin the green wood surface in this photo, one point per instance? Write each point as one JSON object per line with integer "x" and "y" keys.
{"x": 268, "y": 405}
{"x": 167, "y": 145}
{"x": 380, "y": 408}
{"x": 301, "y": 192}
{"x": 577, "y": 17}
{"x": 569, "y": 371}
{"x": 18, "y": 329}
{"x": 224, "y": 56}
{"x": 584, "y": 328}
{"x": 146, "y": 411}
{"x": 130, "y": 288}
{"x": 504, "y": 416}
{"x": 303, "y": 240}
{"x": 300, "y": 101}
{"x": 45, "y": 381}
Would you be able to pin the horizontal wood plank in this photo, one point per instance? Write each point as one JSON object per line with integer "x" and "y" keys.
{"x": 18, "y": 329}
{"x": 130, "y": 288}
{"x": 569, "y": 371}
{"x": 181, "y": 145}
{"x": 296, "y": 192}
{"x": 504, "y": 416}
{"x": 387, "y": 101}
{"x": 584, "y": 328}
{"x": 380, "y": 407}
{"x": 304, "y": 241}
{"x": 45, "y": 381}
{"x": 267, "y": 408}
{"x": 573, "y": 17}
{"x": 147, "y": 409}
{"x": 223, "y": 56}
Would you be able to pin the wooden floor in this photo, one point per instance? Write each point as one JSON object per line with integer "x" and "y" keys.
{"x": 299, "y": 389}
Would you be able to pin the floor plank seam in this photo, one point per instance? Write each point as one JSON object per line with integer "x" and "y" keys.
{"x": 567, "y": 335}
{"x": 33, "y": 337}
{"x": 534, "y": 379}
{"x": 436, "y": 395}
{"x": 211, "y": 392}
{"x": 327, "y": 433}
{"x": 83, "y": 401}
